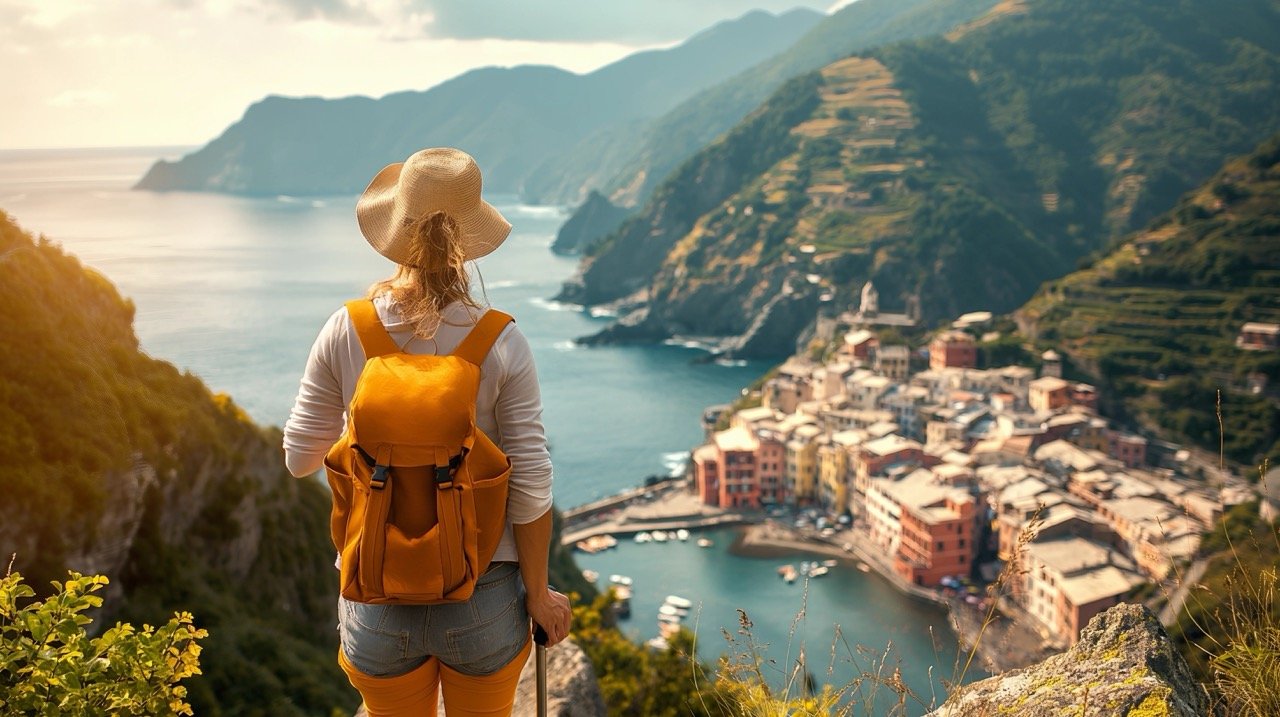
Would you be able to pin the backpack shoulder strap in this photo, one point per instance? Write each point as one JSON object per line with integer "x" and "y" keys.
{"x": 477, "y": 343}
{"x": 373, "y": 335}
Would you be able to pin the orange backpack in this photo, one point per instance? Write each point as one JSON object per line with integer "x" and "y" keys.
{"x": 419, "y": 492}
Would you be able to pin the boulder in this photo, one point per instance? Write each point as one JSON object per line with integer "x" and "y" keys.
{"x": 1124, "y": 664}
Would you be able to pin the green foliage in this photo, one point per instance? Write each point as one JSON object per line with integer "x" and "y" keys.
{"x": 1156, "y": 319}
{"x": 637, "y": 681}
{"x": 50, "y": 666}
{"x": 1229, "y": 629}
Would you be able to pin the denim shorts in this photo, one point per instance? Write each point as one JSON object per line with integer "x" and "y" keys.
{"x": 476, "y": 637}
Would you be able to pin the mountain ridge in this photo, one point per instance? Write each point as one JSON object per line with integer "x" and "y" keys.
{"x": 511, "y": 119}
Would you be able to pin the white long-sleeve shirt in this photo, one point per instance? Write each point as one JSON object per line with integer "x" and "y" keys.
{"x": 508, "y": 404}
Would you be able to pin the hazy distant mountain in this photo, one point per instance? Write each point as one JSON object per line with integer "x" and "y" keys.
{"x": 627, "y": 162}
{"x": 512, "y": 120}
{"x": 957, "y": 172}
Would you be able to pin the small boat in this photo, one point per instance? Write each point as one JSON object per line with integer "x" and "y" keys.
{"x": 659, "y": 536}
{"x": 658, "y": 643}
{"x": 643, "y": 537}
{"x": 678, "y": 602}
{"x": 590, "y": 575}
{"x": 682, "y": 535}
{"x": 788, "y": 573}
{"x": 818, "y": 571}
{"x": 669, "y": 611}
{"x": 596, "y": 543}
{"x": 864, "y": 567}
{"x": 668, "y": 619}
{"x": 829, "y": 563}
{"x": 705, "y": 543}
{"x": 622, "y": 580}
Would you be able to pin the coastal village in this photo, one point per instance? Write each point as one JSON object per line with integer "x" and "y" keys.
{"x": 945, "y": 479}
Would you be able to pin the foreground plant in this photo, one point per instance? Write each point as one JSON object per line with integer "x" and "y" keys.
{"x": 50, "y": 666}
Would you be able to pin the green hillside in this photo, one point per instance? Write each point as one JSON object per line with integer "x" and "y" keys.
{"x": 117, "y": 463}
{"x": 1156, "y": 319}
{"x": 629, "y": 162}
{"x": 958, "y": 172}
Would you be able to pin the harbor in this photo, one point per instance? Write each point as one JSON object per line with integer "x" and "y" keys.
{"x": 792, "y": 556}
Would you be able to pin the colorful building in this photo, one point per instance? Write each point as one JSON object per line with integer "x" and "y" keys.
{"x": 952, "y": 349}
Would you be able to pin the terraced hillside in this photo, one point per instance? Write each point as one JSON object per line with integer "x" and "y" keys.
{"x": 1156, "y": 319}
{"x": 958, "y": 173}
{"x": 819, "y": 213}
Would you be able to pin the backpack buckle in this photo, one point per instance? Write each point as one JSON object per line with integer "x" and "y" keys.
{"x": 445, "y": 473}
{"x": 378, "y": 480}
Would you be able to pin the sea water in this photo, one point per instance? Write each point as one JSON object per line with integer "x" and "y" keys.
{"x": 234, "y": 290}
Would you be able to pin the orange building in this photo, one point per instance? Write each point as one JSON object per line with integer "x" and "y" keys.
{"x": 925, "y": 524}
{"x": 952, "y": 349}
{"x": 937, "y": 540}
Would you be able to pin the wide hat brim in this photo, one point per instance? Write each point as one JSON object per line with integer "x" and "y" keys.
{"x": 436, "y": 179}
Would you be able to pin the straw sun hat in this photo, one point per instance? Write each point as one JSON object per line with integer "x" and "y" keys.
{"x": 436, "y": 179}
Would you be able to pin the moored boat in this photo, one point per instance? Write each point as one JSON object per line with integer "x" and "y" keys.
{"x": 682, "y": 535}
{"x": 705, "y": 542}
{"x": 788, "y": 573}
{"x": 678, "y": 602}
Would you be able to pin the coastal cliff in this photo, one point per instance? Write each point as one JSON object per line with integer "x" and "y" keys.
{"x": 955, "y": 173}
{"x": 119, "y": 464}
{"x": 594, "y": 219}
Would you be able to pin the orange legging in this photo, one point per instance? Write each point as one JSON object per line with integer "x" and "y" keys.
{"x": 413, "y": 694}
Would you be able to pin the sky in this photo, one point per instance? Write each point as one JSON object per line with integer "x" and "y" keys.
{"x": 103, "y": 73}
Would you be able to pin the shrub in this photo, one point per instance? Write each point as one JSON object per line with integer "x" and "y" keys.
{"x": 50, "y": 666}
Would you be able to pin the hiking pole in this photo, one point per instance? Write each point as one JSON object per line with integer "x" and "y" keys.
{"x": 540, "y": 640}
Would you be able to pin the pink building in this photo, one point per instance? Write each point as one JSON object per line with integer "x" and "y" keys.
{"x": 739, "y": 469}
{"x": 1129, "y": 449}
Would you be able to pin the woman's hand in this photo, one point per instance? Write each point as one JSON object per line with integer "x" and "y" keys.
{"x": 550, "y": 610}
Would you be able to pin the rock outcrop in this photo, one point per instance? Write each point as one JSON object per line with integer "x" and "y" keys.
{"x": 1124, "y": 664}
{"x": 591, "y": 222}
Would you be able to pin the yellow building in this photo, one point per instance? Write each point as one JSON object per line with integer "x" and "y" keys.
{"x": 802, "y": 465}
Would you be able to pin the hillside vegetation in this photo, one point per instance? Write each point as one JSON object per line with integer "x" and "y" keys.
{"x": 113, "y": 462}
{"x": 1016, "y": 145}
{"x": 630, "y": 164}
{"x": 1156, "y": 319}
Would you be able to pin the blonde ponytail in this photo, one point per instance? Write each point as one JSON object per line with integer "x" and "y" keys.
{"x": 435, "y": 276}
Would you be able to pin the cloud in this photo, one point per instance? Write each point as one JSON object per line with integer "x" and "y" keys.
{"x": 71, "y": 99}
{"x": 626, "y": 21}
{"x": 43, "y": 14}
